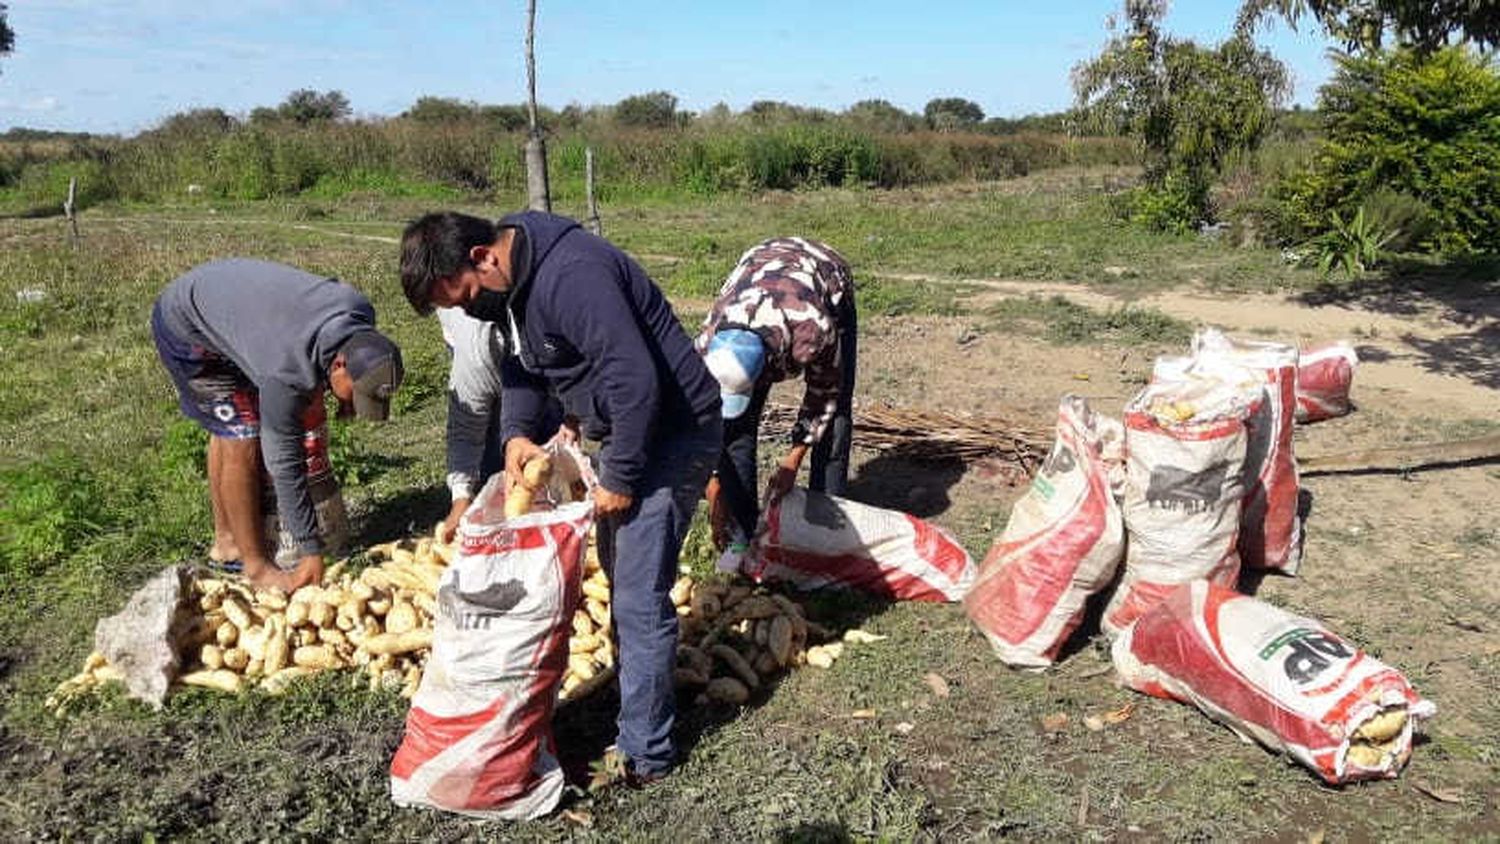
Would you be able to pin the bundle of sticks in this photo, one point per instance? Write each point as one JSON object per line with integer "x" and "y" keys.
{"x": 931, "y": 434}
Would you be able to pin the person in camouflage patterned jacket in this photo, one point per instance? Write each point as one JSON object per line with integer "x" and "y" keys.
{"x": 787, "y": 309}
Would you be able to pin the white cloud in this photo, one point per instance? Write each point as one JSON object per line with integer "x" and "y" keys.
{"x": 40, "y": 105}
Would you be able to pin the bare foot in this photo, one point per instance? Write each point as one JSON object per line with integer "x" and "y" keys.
{"x": 263, "y": 574}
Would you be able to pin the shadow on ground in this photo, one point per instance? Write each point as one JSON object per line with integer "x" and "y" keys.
{"x": 916, "y": 485}
{"x": 1461, "y": 291}
{"x": 411, "y": 511}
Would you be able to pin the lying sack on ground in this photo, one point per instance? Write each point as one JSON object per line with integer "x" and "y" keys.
{"x": 1275, "y": 677}
{"x": 479, "y": 734}
{"x": 1063, "y": 543}
{"x": 1270, "y": 531}
{"x": 1185, "y": 455}
{"x": 1324, "y": 375}
{"x": 813, "y": 540}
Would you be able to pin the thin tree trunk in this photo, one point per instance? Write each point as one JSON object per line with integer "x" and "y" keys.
{"x": 539, "y": 196}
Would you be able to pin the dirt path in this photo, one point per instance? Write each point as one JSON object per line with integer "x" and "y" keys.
{"x": 1411, "y": 358}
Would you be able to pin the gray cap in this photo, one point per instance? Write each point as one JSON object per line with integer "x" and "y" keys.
{"x": 374, "y": 363}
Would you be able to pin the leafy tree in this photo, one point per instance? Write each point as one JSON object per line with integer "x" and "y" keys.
{"x": 197, "y": 121}
{"x": 946, "y": 114}
{"x": 440, "y": 110}
{"x": 308, "y": 106}
{"x": 507, "y": 117}
{"x": 1191, "y": 108}
{"x": 1362, "y": 25}
{"x": 880, "y": 116}
{"x": 264, "y": 114}
{"x": 775, "y": 112}
{"x": 7, "y": 35}
{"x": 1413, "y": 126}
{"x": 657, "y": 109}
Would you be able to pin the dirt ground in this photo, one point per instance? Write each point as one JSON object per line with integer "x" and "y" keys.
{"x": 1404, "y": 564}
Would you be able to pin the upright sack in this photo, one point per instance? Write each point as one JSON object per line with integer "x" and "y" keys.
{"x": 479, "y": 734}
{"x": 1270, "y": 530}
{"x": 1324, "y": 375}
{"x": 813, "y": 540}
{"x": 1184, "y": 482}
{"x": 1063, "y": 543}
{"x": 1281, "y": 679}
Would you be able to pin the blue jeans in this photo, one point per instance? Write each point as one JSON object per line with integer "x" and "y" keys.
{"x": 639, "y": 550}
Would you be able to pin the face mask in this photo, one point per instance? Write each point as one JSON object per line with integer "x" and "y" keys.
{"x": 488, "y": 305}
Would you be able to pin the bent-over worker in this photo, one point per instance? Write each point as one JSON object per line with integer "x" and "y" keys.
{"x": 249, "y": 345}
{"x": 786, "y": 310}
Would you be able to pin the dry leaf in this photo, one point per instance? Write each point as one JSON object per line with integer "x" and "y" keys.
{"x": 938, "y": 685}
{"x": 862, "y": 714}
{"x": 1117, "y": 716}
{"x": 904, "y": 728}
{"x": 1317, "y": 836}
{"x": 583, "y": 819}
{"x": 1055, "y": 722}
{"x": 862, "y": 637}
{"x": 1442, "y": 795}
{"x": 1093, "y": 722}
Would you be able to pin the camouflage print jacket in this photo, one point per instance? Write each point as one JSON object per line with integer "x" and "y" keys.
{"x": 790, "y": 291}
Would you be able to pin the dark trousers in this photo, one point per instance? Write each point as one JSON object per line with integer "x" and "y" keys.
{"x": 639, "y": 551}
{"x": 829, "y": 471}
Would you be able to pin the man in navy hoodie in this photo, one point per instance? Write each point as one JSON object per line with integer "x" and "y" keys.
{"x": 583, "y": 319}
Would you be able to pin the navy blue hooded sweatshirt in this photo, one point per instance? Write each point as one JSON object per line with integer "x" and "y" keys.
{"x": 587, "y": 319}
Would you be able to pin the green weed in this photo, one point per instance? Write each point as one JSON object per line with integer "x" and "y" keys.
{"x": 1063, "y": 321}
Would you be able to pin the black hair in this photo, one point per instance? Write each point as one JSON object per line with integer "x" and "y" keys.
{"x": 437, "y": 246}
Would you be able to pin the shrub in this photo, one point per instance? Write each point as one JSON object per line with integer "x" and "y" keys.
{"x": 1420, "y": 127}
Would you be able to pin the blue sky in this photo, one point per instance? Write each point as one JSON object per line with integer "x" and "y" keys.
{"x": 122, "y": 65}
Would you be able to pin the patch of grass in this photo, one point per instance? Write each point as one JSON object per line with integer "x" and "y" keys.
{"x": 1063, "y": 321}
{"x": 46, "y": 509}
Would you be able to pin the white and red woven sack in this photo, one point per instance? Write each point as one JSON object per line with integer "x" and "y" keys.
{"x": 1184, "y": 482}
{"x": 479, "y": 734}
{"x": 1270, "y": 531}
{"x": 1324, "y": 376}
{"x": 813, "y": 540}
{"x": 1063, "y": 543}
{"x": 1283, "y": 680}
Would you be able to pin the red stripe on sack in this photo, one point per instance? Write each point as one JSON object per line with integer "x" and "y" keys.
{"x": 503, "y": 539}
{"x": 1018, "y": 598}
{"x": 428, "y": 735}
{"x": 938, "y": 550}
{"x": 1388, "y": 680}
{"x": 854, "y": 572}
{"x": 1140, "y": 597}
{"x": 1216, "y": 429}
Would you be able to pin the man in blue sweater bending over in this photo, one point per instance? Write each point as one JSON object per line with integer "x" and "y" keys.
{"x": 582, "y": 317}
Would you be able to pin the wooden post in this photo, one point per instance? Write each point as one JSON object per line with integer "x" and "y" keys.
{"x": 538, "y": 195}
{"x": 70, "y": 209}
{"x": 588, "y": 182}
